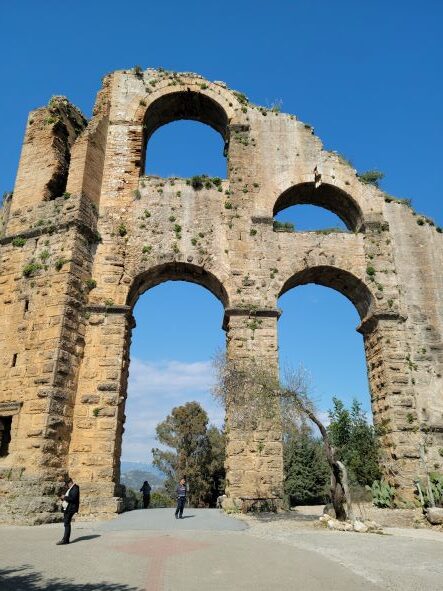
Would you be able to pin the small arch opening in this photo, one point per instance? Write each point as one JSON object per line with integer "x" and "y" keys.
{"x": 177, "y": 148}
{"x": 334, "y": 200}
{"x": 185, "y": 149}
{"x": 308, "y": 218}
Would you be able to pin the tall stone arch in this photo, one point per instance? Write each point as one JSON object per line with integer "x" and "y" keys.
{"x": 85, "y": 232}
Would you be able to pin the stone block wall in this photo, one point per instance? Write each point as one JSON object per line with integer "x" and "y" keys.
{"x": 86, "y": 233}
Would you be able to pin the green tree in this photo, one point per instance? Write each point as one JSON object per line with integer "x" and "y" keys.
{"x": 307, "y": 473}
{"x": 355, "y": 441}
{"x": 195, "y": 452}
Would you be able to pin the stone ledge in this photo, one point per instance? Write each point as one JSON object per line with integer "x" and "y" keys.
{"x": 368, "y": 323}
{"x": 254, "y": 312}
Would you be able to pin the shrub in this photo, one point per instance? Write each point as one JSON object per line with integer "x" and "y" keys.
{"x": 66, "y": 195}
{"x": 18, "y": 241}
{"x": 370, "y": 271}
{"x": 138, "y": 72}
{"x": 242, "y": 98}
{"x": 122, "y": 230}
{"x": 96, "y": 237}
{"x": 59, "y": 264}
{"x": 137, "y": 194}
{"x": 283, "y": 226}
{"x": 147, "y": 249}
{"x": 197, "y": 182}
{"x": 161, "y": 499}
{"x": 371, "y": 177}
{"x": 253, "y": 232}
{"x": 44, "y": 255}
{"x": 228, "y": 205}
{"x": 31, "y": 268}
{"x": 91, "y": 283}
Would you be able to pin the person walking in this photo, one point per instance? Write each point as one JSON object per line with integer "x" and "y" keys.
{"x": 181, "y": 498}
{"x": 70, "y": 503}
{"x": 146, "y": 492}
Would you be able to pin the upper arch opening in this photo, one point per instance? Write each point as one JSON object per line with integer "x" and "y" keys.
{"x": 175, "y": 271}
{"x": 327, "y": 196}
{"x": 342, "y": 281}
{"x": 190, "y": 106}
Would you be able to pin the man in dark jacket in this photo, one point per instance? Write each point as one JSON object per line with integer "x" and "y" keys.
{"x": 70, "y": 503}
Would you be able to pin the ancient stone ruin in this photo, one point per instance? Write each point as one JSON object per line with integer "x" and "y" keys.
{"x": 85, "y": 233}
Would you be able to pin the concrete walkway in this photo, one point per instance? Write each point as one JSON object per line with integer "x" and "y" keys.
{"x": 208, "y": 551}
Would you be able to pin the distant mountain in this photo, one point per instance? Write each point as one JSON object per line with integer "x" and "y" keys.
{"x": 130, "y": 466}
{"x": 135, "y": 478}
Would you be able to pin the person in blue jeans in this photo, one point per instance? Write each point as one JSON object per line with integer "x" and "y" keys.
{"x": 181, "y": 498}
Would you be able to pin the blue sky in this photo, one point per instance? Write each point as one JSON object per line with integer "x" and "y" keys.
{"x": 366, "y": 75}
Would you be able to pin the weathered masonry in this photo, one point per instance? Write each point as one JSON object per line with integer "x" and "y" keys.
{"x": 85, "y": 233}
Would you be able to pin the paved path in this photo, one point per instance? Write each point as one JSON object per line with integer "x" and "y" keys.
{"x": 208, "y": 551}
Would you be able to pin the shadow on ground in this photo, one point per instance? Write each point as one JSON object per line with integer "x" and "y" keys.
{"x": 25, "y": 578}
{"x": 84, "y": 538}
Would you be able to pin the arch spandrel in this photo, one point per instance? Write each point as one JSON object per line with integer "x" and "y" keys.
{"x": 224, "y": 98}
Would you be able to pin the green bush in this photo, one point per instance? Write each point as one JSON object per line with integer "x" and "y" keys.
{"x": 91, "y": 283}
{"x": 197, "y": 182}
{"x": 18, "y": 241}
{"x": 31, "y": 268}
{"x": 283, "y": 226}
{"x": 371, "y": 177}
{"x": 122, "y": 230}
{"x": 59, "y": 264}
{"x": 161, "y": 499}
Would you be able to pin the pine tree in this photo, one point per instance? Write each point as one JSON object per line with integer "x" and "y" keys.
{"x": 195, "y": 452}
{"x": 307, "y": 473}
{"x": 355, "y": 441}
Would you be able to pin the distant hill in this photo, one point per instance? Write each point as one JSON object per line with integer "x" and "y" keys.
{"x": 130, "y": 466}
{"x": 133, "y": 474}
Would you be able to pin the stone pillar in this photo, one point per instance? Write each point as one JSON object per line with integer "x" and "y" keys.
{"x": 94, "y": 456}
{"x": 394, "y": 404}
{"x": 254, "y": 458}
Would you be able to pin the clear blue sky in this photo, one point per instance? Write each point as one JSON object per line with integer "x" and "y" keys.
{"x": 367, "y": 75}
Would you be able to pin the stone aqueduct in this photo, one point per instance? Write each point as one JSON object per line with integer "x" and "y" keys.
{"x": 85, "y": 233}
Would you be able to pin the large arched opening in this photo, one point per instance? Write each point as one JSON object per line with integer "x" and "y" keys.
{"x": 176, "y": 333}
{"x": 318, "y": 342}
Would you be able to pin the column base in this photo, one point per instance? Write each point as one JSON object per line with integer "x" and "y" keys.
{"x": 252, "y": 505}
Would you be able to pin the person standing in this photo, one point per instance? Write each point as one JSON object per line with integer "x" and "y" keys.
{"x": 181, "y": 498}
{"x": 146, "y": 492}
{"x": 70, "y": 503}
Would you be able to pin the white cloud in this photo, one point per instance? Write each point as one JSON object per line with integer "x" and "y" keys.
{"x": 154, "y": 389}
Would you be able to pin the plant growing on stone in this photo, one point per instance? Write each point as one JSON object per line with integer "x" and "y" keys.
{"x": 122, "y": 230}
{"x": 31, "y": 268}
{"x": 91, "y": 283}
{"x": 18, "y": 241}
{"x": 197, "y": 182}
{"x": 59, "y": 264}
{"x": 371, "y": 177}
{"x": 283, "y": 226}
